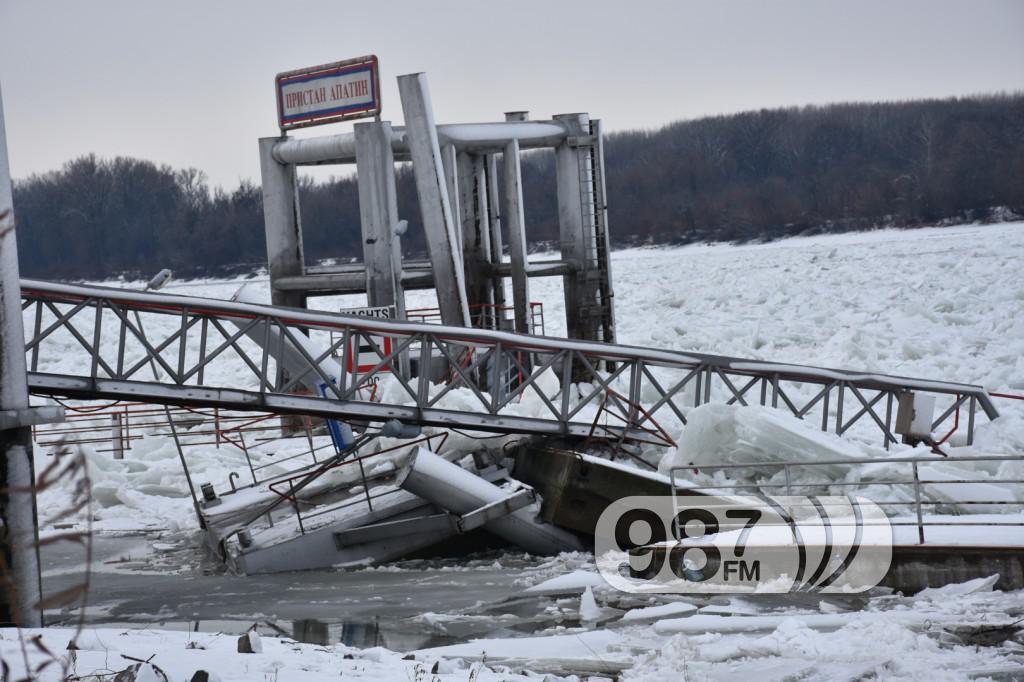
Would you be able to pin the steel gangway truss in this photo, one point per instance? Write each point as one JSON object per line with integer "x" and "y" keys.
{"x": 90, "y": 342}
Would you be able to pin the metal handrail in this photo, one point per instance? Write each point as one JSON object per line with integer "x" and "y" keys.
{"x": 173, "y": 304}
{"x": 87, "y": 426}
{"x": 915, "y": 481}
{"x": 484, "y": 315}
{"x": 659, "y": 436}
{"x": 307, "y": 478}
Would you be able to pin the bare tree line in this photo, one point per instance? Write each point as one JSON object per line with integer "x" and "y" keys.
{"x": 755, "y": 175}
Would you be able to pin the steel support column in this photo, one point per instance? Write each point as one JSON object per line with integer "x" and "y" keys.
{"x": 476, "y": 240}
{"x": 450, "y": 164}
{"x": 517, "y": 237}
{"x": 602, "y": 239}
{"x": 378, "y": 213}
{"x": 20, "y": 533}
{"x": 438, "y": 218}
{"x": 570, "y": 225}
{"x": 282, "y": 224}
{"x": 494, "y": 224}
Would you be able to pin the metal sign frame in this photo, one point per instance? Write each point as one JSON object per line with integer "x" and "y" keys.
{"x": 362, "y": 357}
{"x": 367, "y": 63}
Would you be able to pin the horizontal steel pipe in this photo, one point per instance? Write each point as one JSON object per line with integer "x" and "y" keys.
{"x": 466, "y": 137}
{"x": 351, "y": 279}
{"x": 456, "y": 490}
{"x": 309, "y": 150}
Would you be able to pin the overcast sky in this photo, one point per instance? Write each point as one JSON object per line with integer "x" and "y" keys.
{"x": 190, "y": 83}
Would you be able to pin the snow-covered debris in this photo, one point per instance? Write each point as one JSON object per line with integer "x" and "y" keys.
{"x": 748, "y": 434}
{"x": 589, "y": 610}
{"x": 205, "y": 676}
{"x": 760, "y": 437}
{"x": 571, "y": 583}
{"x": 141, "y": 672}
{"x": 700, "y": 623}
{"x": 583, "y": 645}
{"x": 872, "y": 646}
{"x": 214, "y": 653}
{"x": 250, "y": 643}
{"x": 957, "y": 589}
{"x": 660, "y": 612}
{"x": 737, "y": 606}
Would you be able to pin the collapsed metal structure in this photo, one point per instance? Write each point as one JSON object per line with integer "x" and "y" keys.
{"x": 464, "y": 201}
{"x": 351, "y": 508}
{"x": 469, "y": 372}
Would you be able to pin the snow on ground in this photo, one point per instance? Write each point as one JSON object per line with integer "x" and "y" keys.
{"x": 180, "y": 655}
{"x": 935, "y": 303}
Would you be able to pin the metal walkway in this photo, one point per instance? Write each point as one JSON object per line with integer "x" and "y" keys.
{"x": 92, "y": 342}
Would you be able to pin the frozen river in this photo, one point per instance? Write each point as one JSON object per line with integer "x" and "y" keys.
{"x": 132, "y": 583}
{"x": 404, "y": 606}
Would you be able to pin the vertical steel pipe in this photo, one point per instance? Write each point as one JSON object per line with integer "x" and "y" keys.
{"x": 20, "y": 533}
{"x": 435, "y": 205}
